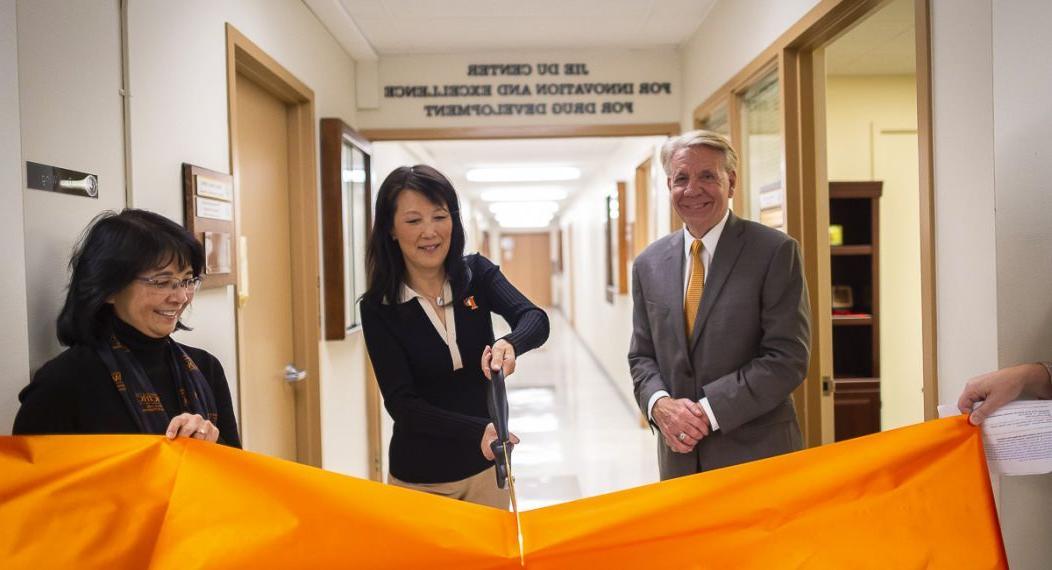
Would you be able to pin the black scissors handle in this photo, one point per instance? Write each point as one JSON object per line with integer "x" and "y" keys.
{"x": 498, "y": 414}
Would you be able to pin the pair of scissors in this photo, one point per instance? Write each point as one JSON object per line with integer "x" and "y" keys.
{"x": 502, "y": 446}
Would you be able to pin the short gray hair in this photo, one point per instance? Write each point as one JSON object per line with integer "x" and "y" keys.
{"x": 691, "y": 139}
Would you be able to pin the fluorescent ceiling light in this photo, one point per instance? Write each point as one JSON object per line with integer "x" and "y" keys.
{"x": 524, "y": 208}
{"x": 524, "y": 174}
{"x": 356, "y": 175}
{"x": 524, "y": 194}
{"x": 517, "y": 220}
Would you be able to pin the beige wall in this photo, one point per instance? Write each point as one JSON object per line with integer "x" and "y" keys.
{"x": 871, "y": 135}
{"x": 179, "y": 114}
{"x": 14, "y": 343}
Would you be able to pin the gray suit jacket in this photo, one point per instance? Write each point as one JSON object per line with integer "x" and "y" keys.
{"x": 749, "y": 349}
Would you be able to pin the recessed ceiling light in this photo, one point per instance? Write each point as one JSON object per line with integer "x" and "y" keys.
{"x": 524, "y": 194}
{"x": 524, "y": 174}
{"x": 523, "y": 220}
{"x": 499, "y": 208}
{"x": 356, "y": 175}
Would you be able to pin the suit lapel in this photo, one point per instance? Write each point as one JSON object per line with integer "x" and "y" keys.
{"x": 723, "y": 261}
{"x": 672, "y": 287}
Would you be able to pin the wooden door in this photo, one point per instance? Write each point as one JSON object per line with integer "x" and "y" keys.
{"x": 525, "y": 260}
{"x": 641, "y": 226}
{"x": 265, "y": 343}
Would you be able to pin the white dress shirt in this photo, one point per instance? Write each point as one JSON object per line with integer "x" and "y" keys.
{"x": 447, "y": 332}
{"x": 708, "y": 246}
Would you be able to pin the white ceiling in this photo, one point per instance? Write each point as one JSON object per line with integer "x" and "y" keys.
{"x": 882, "y": 44}
{"x": 450, "y": 26}
{"x": 591, "y": 155}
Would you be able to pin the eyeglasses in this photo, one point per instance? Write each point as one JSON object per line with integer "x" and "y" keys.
{"x": 171, "y": 285}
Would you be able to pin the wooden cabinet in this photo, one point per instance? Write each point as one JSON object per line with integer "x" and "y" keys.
{"x": 855, "y": 274}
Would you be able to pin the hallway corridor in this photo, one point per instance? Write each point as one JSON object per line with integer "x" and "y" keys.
{"x": 580, "y": 437}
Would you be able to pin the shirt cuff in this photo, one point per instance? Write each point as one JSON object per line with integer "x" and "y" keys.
{"x": 653, "y": 400}
{"x": 1048, "y": 366}
{"x": 713, "y": 424}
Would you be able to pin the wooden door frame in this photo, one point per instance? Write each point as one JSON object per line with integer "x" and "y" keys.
{"x": 641, "y": 223}
{"x": 245, "y": 57}
{"x": 807, "y": 199}
{"x": 622, "y": 238}
{"x": 522, "y": 132}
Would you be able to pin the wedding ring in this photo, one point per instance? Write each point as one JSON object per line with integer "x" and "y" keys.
{"x": 202, "y": 431}
{"x": 682, "y": 436}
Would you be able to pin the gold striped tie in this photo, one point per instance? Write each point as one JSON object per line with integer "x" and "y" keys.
{"x": 695, "y": 286}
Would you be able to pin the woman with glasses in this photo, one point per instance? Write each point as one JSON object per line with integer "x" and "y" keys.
{"x": 133, "y": 275}
{"x": 427, "y": 319}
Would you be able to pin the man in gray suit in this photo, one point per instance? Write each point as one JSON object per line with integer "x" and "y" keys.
{"x": 721, "y": 329}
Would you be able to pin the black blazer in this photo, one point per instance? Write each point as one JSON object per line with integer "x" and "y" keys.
{"x": 440, "y": 414}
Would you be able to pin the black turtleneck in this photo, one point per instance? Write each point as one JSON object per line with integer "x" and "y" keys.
{"x": 74, "y": 394}
{"x": 152, "y": 355}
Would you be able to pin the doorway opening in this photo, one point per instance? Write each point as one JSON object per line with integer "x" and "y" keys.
{"x": 888, "y": 45}
{"x": 561, "y": 261}
{"x": 872, "y": 161}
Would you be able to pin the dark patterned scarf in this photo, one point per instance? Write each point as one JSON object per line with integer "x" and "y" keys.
{"x": 139, "y": 394}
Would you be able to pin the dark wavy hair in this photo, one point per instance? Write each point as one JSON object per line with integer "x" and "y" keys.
{"x": 113, "y": 250}
{"x": 383, "y": 258}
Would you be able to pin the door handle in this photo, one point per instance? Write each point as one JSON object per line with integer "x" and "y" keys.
{"x": 293, "y": 374}
{"x": 242, "y": 271}
{"x": 89, "y": 185}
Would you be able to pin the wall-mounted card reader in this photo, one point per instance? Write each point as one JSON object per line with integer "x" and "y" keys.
{"x": 55, "y": 179}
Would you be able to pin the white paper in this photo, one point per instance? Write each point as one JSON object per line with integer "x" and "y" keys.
{"x": 209, "y": 208}
{"x": 211, "y": 188}
{"x": 1017, "y": 437}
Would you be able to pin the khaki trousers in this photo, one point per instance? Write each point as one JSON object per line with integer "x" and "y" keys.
{"x": 480, "y": 489}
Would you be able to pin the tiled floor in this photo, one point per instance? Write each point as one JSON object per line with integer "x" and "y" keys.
{"x": 579, "y": 437}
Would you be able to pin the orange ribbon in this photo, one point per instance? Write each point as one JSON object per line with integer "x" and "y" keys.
{"x": 909, "y": 498}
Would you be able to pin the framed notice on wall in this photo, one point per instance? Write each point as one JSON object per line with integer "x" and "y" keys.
{"x": 209, "y": 212}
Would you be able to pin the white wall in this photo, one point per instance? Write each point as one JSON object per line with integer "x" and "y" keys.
{"x": 994, "y": 243}
{"x": 871, "y": 123}
{"x": 962, "y": 92}
{"x": 14, "y": 342}
{"x": 734, "y": 33}
{"x": 585, "y": 217}
{"x": 70, "y": 111}
{"x": 1022, "y": 88}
